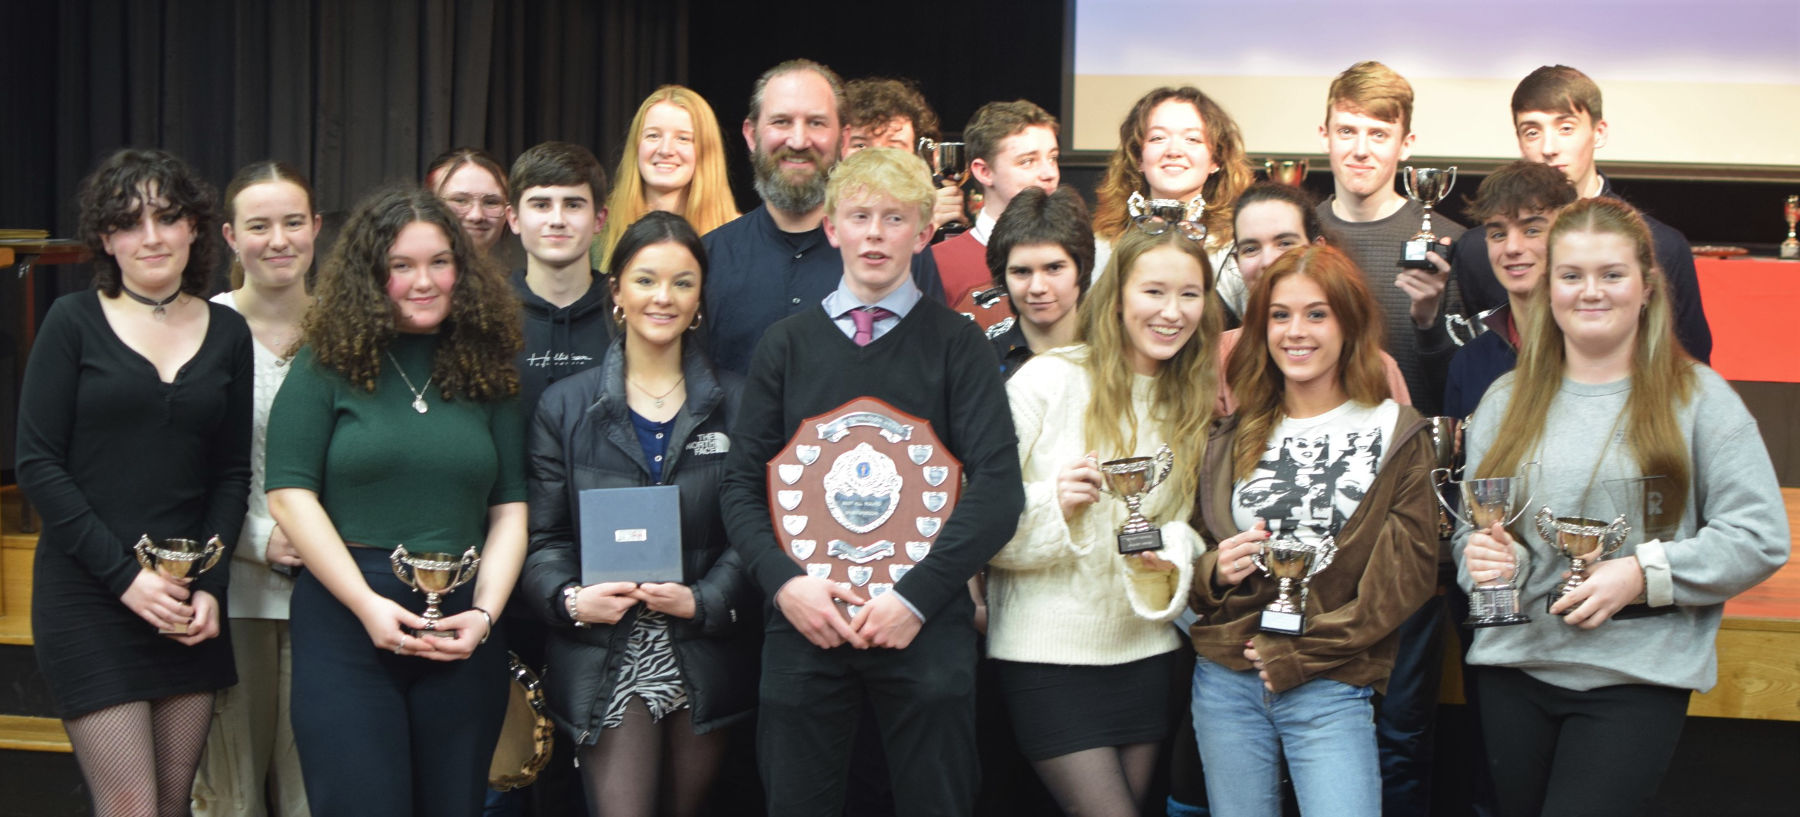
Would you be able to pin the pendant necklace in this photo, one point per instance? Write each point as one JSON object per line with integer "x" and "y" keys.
{"x": 657, "y": 399}
{"x": 418, "y": 402}
{"x": 160, "y": 309}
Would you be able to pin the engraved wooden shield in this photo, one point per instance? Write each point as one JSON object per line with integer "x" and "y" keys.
{"x": 860, "y": 494}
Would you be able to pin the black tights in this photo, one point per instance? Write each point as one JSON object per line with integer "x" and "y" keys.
{"x": 139, "y": 758}
{"x": 1106, "y": 782}
{"x": 640, "y": 761}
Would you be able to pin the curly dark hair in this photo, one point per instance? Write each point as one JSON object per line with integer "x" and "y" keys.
{"x": 353, "y": 322}
{"x": 111, "y": 197}
{"x": 875, "y": 101}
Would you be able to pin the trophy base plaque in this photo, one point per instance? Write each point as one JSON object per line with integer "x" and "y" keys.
{"x": 1276, "y": 621}
{"x": 1790, "y": 249}
{"x": 1495, "y": 606}
{"x": 1412, "y": 253}
{"x": 1140, "y": 541}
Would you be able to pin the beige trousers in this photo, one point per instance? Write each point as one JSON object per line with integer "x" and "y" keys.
{"x": 250, "y": 749}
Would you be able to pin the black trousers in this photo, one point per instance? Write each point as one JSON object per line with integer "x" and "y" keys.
{"x": 1558, "y": 752}
{"x": 924, "y": 703}
{"x": 380, "y": 733}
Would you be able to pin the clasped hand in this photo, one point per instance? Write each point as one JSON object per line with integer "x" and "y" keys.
{"x": 607, "y": 602}
{"x": 810, "y": 604}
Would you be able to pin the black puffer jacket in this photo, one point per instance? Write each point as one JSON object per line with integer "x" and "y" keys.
{"x": 582, "y": 438}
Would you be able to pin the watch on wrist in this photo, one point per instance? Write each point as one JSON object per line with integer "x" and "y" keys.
{"x": 569, "y": 595}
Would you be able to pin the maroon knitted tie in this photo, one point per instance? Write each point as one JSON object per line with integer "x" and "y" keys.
{"x": 865, "y": 317}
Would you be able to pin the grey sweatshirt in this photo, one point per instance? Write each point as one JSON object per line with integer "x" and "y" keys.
{"x": 1733, "y": 534}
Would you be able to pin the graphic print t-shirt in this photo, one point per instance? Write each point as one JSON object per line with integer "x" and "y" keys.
{"x": 1315, "y": 471}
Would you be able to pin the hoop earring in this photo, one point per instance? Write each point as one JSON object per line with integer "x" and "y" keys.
{"x": 696, "y": 323}
{"x": 618, "y": 315}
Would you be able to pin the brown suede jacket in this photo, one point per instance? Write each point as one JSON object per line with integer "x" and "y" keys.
{"x": 1386, "y": 567}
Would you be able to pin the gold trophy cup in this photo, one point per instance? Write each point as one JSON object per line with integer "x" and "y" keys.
{"x": 435, "y": 575}
{"x": 180, "y": 560}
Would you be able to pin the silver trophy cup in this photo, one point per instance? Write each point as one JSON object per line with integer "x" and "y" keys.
{"x": 1580, "y": 540}
{"x": 435, "y": 575}
{"x": 948, "y": 161}
{"x": 1427, "y": 186}
{"x": 1130, "y": 479}
{"x": 1292, "y": 563}
{"x": 1486, "y": 501}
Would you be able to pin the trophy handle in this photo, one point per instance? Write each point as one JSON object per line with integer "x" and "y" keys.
{"x": 1166, "y": 458}
{"x": 465, "y": 569}
{"x": 142, "y": 548}
{"x": 1324, "y": 553}
{"x": 1614, "y": 537}
{"x": 1530, "y": 494}
{"x": 398, "y": 560}
{"x": 1440, "y": 477}
{"x": 1449, "y": 184}
{"x": 214, "y": 549}
{"x": 1408, "y": 178}
{"x": 1546, "y": 525}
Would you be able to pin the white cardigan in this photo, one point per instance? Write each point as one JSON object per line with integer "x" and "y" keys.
{"x": 1059, "y": 592}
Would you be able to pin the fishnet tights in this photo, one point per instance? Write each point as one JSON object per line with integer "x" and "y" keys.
{"x": 1106, "y": 782}
{"x": 634, "y": 763}
{"x": 139, "y": 758}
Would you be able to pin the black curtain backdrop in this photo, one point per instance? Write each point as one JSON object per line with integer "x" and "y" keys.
{"x": 360, "y": 92}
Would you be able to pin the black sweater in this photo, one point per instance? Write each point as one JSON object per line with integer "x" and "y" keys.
{"x": 561, "y": 341}
{"x": 934, "y": 364}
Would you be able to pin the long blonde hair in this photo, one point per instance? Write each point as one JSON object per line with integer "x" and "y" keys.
{"x": 1186, "y": 386}
{"x": 709, "y": 200}
{"x": 1258, "y": 382}
{"x": 1662, "y": 374}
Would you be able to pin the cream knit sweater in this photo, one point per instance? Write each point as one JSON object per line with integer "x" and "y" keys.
{"x": 1059, "y": 592}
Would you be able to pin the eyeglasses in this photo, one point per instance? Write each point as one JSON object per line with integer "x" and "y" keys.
{"x": 1158, "y": 216}
{"x": 462, "y": 203}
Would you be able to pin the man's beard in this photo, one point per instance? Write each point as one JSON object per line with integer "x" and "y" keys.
{"x": 802, "y": 196}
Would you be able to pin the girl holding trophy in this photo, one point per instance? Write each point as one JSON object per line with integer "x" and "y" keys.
{"x": 1177, "y": 148}
{"x": 1318, "y": 493}
{"x": 396, "y": 441}
{"x": 1079, "y": 629}
{"x": 1622, "y": 422}
{"x": 134, "y": 421}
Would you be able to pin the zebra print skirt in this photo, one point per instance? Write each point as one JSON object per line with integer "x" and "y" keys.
{"x": 650, "y": 672}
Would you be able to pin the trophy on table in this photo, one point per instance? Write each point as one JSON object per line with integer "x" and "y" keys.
{"x": 1427, "y": 186}
{"x": 180, "y": 560}
{"x": 1582, "y": 541}
{"x": 1493, "y": 603}
{"x": 1291, "y": 562}
{"x": 1290, "y": 172}
{"x": 1130, "y": 479}
{"x": 949, "y": 161}
{"x": 1643, "y": 502}
{"x": 1791, "y": 247}
{"x": 435, "y": 575}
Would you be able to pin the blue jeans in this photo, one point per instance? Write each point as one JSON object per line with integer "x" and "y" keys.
{"x": 1325, "y": 728}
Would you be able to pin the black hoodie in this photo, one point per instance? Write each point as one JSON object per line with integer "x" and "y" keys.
{"x": 561, "y": 341}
